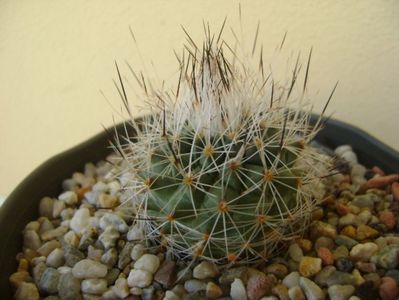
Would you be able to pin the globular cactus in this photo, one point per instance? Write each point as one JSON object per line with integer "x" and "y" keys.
{"x": 223, "y": 170}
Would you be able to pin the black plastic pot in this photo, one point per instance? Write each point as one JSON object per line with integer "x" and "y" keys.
{"x": 22, "y": 205}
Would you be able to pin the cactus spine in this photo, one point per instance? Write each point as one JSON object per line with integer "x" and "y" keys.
{"x": 223, "y": 169}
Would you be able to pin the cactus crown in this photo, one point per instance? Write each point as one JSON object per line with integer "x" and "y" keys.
{"x": 223, "y": 169}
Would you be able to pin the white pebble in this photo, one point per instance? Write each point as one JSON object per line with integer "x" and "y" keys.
{"x": 100, "y": 187}
{"x": 194, "y": 285}
{"x": 113, "y": 220}
{"x": 92, "y": 197}
{"x": 351, "y": 157}
{"x": 80, "y": 220}
{"x": 114, "y": 188}
{"x": 342, "y": 149}
{"x": 108, "y": 237}
{"x": 135, "y": 233}
{"x": 88, "y": 268}
{"x": 68, "y": 197}
{"x": 311, "y": 289}
{"x": 139, "y": 278}
{"x": 358, "y": 170}
{"x": 147, "y": 262}
{"x": 363, "y": 251}
{"x": 94, "y": 286}
{"x": 56, "y": 258}
{"x": 237, "y": 290}
{"x": 64, "y": 270}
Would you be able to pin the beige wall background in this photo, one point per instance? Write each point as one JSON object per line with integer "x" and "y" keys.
{"x": 55, "y": 56}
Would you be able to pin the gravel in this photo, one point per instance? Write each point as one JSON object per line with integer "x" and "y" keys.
{"x": 85, "y": 246}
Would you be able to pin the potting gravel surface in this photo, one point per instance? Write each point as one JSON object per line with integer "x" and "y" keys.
{"x": 85, "y": 246}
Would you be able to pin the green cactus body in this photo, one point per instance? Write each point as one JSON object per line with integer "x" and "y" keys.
{"x": 223, "y": 171}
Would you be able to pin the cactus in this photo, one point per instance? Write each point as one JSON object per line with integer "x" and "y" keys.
{"x": 223, "y": 169}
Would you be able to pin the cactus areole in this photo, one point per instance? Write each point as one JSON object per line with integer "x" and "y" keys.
{"x": 223, "y": 169}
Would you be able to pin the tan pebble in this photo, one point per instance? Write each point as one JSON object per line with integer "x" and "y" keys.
{"x": 33, "y": 225}
{"x": 305, "y": 244}
{"x": 340, "y": 251}
{"x": 204, "y": 270}
{"x": 365, "y": 232}
{"x": 108, "y": 201}
{"x": 27, "y": 291}
{"x": 358, "y": 277}
{"x": 349, "y": 231}
{"x": 318, "y": 229}
{"x": 354, "y": 209}
{"x": 58, "y": 207}
{"x": 31, "y": 240}
{"x": 213, "y": 291}
{"x": 121, "y": 289}
{"x": 46, "y": 248}
{"x": 30, "y": 254}
{"x": 317, "y": 214}
{"x": 381, "y": 181}
{"x": 281, "y": 292}
{"x": 23, "y": 264}
{"x": 309, "y": 266}
{"x": 388, "y": 218}
{"x": 278, "y": 270}
{"x": 18, "y": 277}
{"x": 94, "y": 253}
{"x": 54, "y": 233}
{"x": 395, "y": 190}
{"x": 72, "y": 238}
{"x": 46, "y": 207}
{"x": 296, "y": 293}
{"x": 388, "y": 289}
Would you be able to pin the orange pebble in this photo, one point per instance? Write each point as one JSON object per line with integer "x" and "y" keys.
{"x": 378, "y": 170}
{"x": 81, "y": 192}
{"x": 329, "y": 200}
{"x": 388, "y": 289}
{"x": 381, "y": 181}
{"x": 326, "y": 256}
{"x": 342, "y": 209}
{"x": 388, "y": 218}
